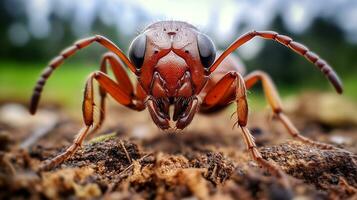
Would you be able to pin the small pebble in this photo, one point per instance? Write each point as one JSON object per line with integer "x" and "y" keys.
{"x": 337, "y": 139}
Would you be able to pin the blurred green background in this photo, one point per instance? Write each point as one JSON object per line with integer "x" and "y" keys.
{"x": 32, "y": 32}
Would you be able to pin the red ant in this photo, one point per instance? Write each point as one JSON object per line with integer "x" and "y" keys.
{"x": 175, "y": 65}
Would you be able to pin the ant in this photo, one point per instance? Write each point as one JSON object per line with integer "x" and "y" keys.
{"x": 175, "y": 65}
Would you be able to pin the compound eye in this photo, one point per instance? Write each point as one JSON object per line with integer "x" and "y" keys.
{"x": 137, "y": 51}
{"x": 206, "y": 49}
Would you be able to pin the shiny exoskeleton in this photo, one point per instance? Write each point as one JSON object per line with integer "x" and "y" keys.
{"x": 175, "y": 65}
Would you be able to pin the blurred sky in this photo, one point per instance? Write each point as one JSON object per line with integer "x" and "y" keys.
{"x": 218, "y": 18}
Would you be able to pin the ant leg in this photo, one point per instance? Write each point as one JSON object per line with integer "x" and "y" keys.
{"x": 122, "y": 79}
{"x": 273, "y": 99}
{"x": 109, "y": 86}
{"x": 299, "y": 48}
{"x": 217, "y": 93}
{"x": 119, "y": 71}
{"x": 51, "y": 163}
{"x": 87, "y": 109}
{"x": 57, "y": 61}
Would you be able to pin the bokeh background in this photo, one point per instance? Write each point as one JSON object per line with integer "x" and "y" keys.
{"x": 32, "y": 32}
{"x": 210, "y": 152}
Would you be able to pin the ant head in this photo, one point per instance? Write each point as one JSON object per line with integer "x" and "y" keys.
{"x": 172, "y": 50}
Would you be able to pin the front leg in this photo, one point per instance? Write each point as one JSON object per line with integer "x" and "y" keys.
{"x": 217, "y": 94}
{"x": 123, "y": 81}
{"x": 108, "y": 86}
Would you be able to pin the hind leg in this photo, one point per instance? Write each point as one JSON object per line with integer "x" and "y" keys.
{"x": 274, "y": 101}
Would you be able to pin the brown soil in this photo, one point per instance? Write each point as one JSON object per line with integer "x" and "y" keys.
{"x": 132, "y": 159}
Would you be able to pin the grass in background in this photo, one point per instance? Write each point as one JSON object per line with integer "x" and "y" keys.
{"x": 67, "y": 83}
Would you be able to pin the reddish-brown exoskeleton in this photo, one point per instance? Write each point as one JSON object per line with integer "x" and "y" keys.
{"x": 175, "y": 66}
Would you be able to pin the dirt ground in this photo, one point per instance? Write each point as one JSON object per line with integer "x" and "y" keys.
{"x": 132, "y": 159}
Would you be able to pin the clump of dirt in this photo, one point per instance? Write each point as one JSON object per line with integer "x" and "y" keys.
{"x": 114, "y": 168}
{"x": 209, "y": 164}
{"x": 334, "y": 170}
{"x": 218, "y": 167}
